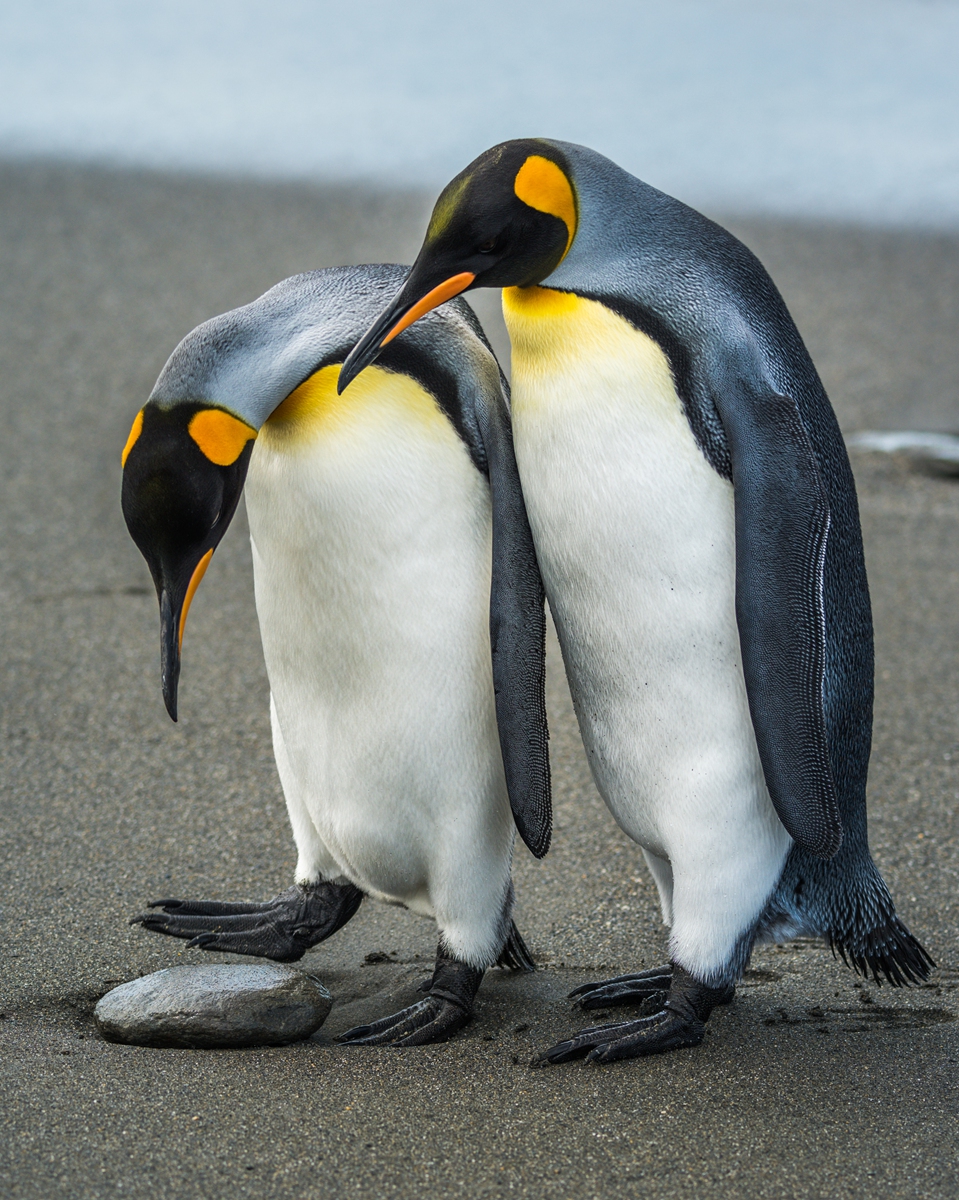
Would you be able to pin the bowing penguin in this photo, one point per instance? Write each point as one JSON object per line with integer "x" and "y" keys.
{"x": 696, "y": 523}
{"x": 400, "y": 607}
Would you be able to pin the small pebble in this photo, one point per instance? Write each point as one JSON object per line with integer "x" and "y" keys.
{"x": 220, "y": 1005}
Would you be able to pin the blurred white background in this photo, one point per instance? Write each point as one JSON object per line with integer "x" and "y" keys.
{"x": 836, "y": 108}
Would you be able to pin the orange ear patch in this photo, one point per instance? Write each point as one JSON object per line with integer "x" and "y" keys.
{"x": 220, "y": 436}
{"x": 542, "y": 185}
{"x": 135, "y": 430}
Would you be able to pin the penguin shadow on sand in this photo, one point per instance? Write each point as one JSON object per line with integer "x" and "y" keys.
{"x": 777, "y": 996}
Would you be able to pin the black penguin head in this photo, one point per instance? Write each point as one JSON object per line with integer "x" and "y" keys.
{"x": 506, "y": 221}
{"x": 183, "y": 472}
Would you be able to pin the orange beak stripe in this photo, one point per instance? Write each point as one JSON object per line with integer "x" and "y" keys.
{"x": 442, "y": 292}
{"x": 198, "y": 573}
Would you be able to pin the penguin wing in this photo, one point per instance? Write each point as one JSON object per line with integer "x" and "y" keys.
{"x": 782, "y": 525}
{"x": 517, "y": 636}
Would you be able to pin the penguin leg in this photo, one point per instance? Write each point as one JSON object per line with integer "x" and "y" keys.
{"x": 448, "y": 1006}
{"x": 680, "y": 1022}
{"x": 283, "y": 928}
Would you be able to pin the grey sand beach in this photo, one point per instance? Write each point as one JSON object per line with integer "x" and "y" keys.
{"x": 813, "y": 1083}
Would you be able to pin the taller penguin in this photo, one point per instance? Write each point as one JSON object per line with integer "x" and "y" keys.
{"x": 696, "y": 524}
{"x": 400, "y": 607}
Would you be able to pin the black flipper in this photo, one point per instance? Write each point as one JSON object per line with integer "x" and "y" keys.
{"x": 282, "y": 929}
{"x": 469, "y": 387}
{"x": 782, "y": 523}
{"x": 518, "y": 637}
{"x": 447, "y": 1008}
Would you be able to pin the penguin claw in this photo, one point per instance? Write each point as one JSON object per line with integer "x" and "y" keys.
{"x": 638, "y": 988}
{"x": 656, "y": 1034}
{"x": 425, "y": 1023}
{"x": 445, "y": 1011}
{"x": 652, "y": 1035}
{"x": 679, "y": 1022}
{"x": 210, "y": 908}
{"x": 282, "y": 929}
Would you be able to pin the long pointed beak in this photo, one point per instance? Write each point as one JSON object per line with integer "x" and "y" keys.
{"x": 169, "y": 652}
{"x": 172, "y": 624}
{"x": 400, "y": 315}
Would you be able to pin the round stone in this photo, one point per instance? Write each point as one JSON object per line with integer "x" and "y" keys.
{"x": 203, "y": 1007}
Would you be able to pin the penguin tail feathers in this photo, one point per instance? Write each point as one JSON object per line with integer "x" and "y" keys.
{"x": 888, "y": 952}
{"x": 515, "y": 955}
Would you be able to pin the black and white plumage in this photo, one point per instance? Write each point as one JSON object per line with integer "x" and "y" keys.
{"x": 400, "y": 609}
{"x": 697, "y": 528}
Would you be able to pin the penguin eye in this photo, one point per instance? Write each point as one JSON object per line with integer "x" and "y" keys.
{"x": 487, "y": 247}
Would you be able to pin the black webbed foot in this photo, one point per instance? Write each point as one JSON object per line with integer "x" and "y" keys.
{"x": 282, "y": 929}
{"x": 631, "y": 1039}
{"x": 447, "y": 1008}
{"x": 680, "y": 1022}
{"x": 425, "y": 1023}
{"x": 625, "y": 989}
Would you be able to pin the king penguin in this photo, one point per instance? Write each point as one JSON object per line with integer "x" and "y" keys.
{"x": 696, "y": 524}
{"x": 401, "y": 613}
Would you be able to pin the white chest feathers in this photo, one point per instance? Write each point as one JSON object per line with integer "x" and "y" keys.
{"x": 635, "y": 536}
{"x": 371, "y": 538}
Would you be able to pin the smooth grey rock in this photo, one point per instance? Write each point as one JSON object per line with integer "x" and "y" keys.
{"x": 936, "y": 452}
{"x": 261, "y": 1004}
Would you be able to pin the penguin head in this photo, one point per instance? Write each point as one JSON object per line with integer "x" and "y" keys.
{"x": 185, "y": 462}
{"x": 184, "y": 466}
{"x": 507, "y": 220}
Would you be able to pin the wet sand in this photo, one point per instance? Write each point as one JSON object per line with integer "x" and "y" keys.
{"x": 811, "y": 1084}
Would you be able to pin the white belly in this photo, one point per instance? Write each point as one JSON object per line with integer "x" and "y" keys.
{"x": 635, "y": 537}
{"x": 371, "y": 547}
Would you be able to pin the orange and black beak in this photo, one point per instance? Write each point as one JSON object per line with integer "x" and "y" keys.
{"x": 507, "y": 220}
{"x": 174, "y": 606}
{"x": 178, "y": 503}
{"x": 415, "y": 299}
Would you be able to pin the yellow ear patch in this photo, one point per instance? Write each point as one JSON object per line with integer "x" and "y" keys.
{"x": 135, "y": 430}
{"x": 542, "y": 185}
{"x": 220, "y": 436}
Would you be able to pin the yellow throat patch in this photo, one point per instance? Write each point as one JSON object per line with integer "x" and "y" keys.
{"x": 561, "y": 335}
{"x": 314, "y": 408}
